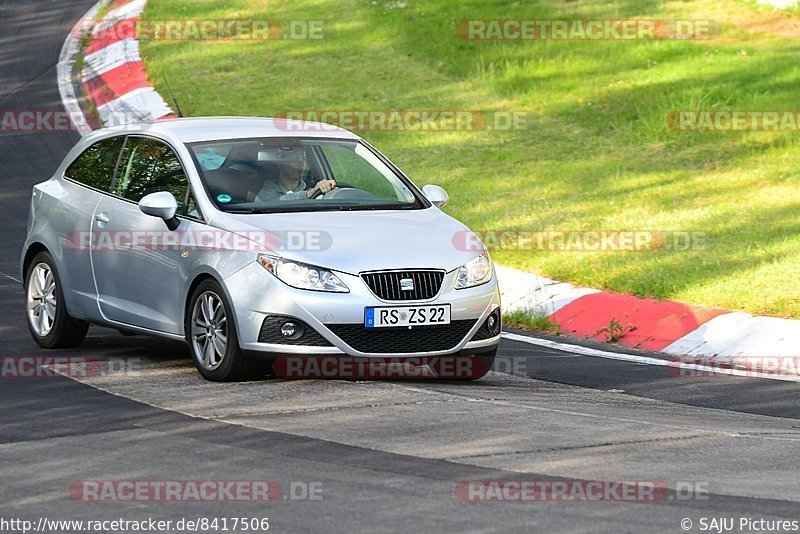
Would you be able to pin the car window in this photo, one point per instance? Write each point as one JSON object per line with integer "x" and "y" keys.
{"x": 191, "y": 209}
{"x": 211, "y": 158}
{"x": 357, "y": 167}
{"x": 148, "y": 166}
{"x": 95, "y": 166}
{"x": 283, "y": 174}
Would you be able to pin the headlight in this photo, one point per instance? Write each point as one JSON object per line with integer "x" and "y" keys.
{"x": 302, "y": 276}
{"x": 475, "y": 272}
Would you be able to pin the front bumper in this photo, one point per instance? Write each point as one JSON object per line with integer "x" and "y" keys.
{"x": 256, "y": 295}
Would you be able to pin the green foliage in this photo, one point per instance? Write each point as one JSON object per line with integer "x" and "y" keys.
{"x": 596, "y": 153}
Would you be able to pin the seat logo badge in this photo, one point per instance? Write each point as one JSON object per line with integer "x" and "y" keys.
{"x": 406, "y": 284}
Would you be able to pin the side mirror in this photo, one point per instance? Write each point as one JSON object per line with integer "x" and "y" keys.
{"x": 162, "y": 205}
{"x": 436, "y": 195}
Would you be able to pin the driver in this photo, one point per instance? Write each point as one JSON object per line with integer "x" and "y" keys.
{"x": 291, "y": 184}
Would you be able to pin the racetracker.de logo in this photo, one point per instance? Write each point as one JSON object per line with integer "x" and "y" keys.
{"x": 584, "y": 30}
{"x": 728, "y": 120}
{"x": 175, "y": 490}
{"x": 198, "y": 240}
{"x": 40, "y": 120}
{"x": 66, "y": 366}
{"x": 110, "y": 31}
{"x": 580, "y": 240}
{"x": 733, "y": 366}
{"x": 49, "y": 367}
{"x": 642, "y": 491}
{"x": 420, "y": 120}
{"x": 353, "y": 368}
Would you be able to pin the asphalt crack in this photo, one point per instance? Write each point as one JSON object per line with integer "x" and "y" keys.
{"x": 579, "y": 447}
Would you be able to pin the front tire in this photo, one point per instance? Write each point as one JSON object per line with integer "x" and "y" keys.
{"x": 211, "y": 334}
{"x": 45, "y": 307}
{"x": 481, "y": 365}
{"x": 463, "y": 368}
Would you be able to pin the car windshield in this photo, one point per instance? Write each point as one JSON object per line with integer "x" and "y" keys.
{"x": 267, "y": 175}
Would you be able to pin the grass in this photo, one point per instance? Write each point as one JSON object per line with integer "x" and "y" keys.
{"x": 596, "y": 153}
{"x": 615, "y": 331}
{"x": 532, "y": 321}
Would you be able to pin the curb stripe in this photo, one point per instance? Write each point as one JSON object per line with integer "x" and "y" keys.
{"x": 529, "y": 293}
{"x": 108, "y": 58}
{"x": 657, "y": 323}
{"x": 139, "y": 105}
{"x": 113, "y": 75}
{"x": 646, "y": 360}
{"x": 64, "y": 72}
{"x": 124, "y": 29}
{"x": 120, "y": 12}
{"x": 741, "y": 334}
{"x": 119, "y": 81}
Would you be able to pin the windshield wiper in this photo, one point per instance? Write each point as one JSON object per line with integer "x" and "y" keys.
{"x": 247, "y": 210}
{"x": 399, "y": 206}
{"x": 361, "y": 207}
{"x": 316, "y": 207}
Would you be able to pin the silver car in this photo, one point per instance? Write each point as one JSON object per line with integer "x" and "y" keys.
{"x": 254, "y": 240}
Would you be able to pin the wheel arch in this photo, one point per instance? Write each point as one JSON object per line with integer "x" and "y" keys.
{"x": 198, "y": 279}
{"x": 33, "y": 249}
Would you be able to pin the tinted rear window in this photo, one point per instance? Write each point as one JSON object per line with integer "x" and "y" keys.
{"x": 95, "y": 167}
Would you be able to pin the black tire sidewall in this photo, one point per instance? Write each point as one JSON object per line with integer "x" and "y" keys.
{"x": 480, "y": 366}
{"x": 487, "y": 361}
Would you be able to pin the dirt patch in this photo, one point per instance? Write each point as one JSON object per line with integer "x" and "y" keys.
{"x": 774, "y": 22}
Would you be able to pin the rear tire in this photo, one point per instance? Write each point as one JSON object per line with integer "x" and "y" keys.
{"x": 211, "y": 334}
{"x": 45, "y": 307}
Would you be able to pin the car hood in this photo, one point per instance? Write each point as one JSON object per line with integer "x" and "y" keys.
{"x": 358, "y": 241}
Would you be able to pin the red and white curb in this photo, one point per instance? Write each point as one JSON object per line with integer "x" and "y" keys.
{"x": 66, "y": 64}
{"x": 691, "y": 332}
{"x": 114, "y": 80}
{"x": 113, "y": 76}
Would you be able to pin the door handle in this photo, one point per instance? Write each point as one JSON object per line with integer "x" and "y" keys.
{"x": 102, "y": 217}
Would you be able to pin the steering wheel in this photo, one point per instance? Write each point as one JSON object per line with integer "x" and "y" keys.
{"x": 348, "y": 193}
{"x": 339, "y": 185}
{"x": 317, "y": 194}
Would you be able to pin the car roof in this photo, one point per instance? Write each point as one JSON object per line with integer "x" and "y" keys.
{"x": 194, "y": 129}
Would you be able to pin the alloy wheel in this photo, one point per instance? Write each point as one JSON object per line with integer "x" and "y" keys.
{"x": 209, "y": 330}
{"x": 41, "y": 297}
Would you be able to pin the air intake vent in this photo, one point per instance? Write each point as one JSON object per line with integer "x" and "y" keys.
{"x": 397, "y": 340}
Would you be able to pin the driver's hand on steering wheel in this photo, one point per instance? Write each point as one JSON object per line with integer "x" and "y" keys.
{"x": 323, "y": 186}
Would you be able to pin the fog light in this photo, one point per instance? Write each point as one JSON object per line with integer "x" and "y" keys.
{"x": 493, "y": 323}
{"x": 291, "y": 330}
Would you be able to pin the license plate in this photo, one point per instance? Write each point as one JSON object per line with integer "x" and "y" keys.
{"x": 407, "y": 316}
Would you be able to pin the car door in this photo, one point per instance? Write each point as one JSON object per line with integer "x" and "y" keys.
{"x": 86, "y": 181}
{"x": 136, "y": 269}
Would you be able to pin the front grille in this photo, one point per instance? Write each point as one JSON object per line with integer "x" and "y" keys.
{"x": 386, "y": 284}
{"x": 271, "y": 333}
{"x": 398, "y": 340}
